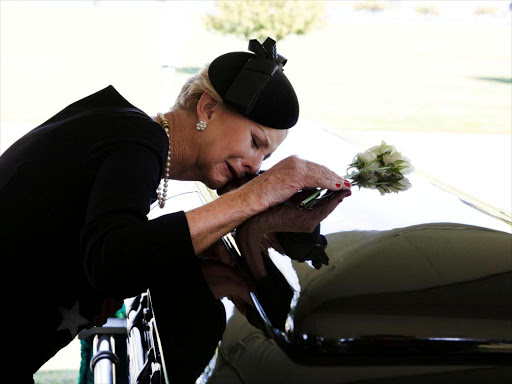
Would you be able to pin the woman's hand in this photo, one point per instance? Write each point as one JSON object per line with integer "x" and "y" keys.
{"x": 289, "y": 218}
{"x": 281, "y": 218}
{"x": 286, "y": 178}
{"x": 210, "y": 222}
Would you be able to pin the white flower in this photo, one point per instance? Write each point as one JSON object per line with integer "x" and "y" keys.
{"x": 404, "y": 184}
{"x": 382, "y": 190}
{"x": 374, "y": 166}
{"x": 381, "y": 167}
{"x": 383, "y": 148}
{"x": 406, "y": 166}
{"x": 391, "y": 158}
{"x": 375, "y": 149}
{"x": 367, "y": 157}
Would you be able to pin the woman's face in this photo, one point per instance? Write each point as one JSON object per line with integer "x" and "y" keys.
{"x": 232, "y": 145}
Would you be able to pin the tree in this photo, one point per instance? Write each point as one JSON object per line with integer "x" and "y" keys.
{"x": 260, "y": 19}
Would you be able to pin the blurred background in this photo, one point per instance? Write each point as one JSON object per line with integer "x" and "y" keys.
{"x": 432, "y": 78}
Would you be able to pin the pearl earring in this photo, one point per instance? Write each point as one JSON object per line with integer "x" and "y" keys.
{"x": 201, "y": 126}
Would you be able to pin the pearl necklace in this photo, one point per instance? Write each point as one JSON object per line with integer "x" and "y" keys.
{"x": 162, "y": 196}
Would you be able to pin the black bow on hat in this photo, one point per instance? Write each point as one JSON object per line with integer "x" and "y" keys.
{"x": 267, "y": 51}
{"x": 254, "y": 84}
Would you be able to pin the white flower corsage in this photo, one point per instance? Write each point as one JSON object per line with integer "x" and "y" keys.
{"x": 381, "y": 167}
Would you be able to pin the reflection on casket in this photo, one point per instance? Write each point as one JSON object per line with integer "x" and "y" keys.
{"x": 430, "y": 291}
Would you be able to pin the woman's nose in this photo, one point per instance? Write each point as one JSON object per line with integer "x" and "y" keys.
{"x": 253, "y": 164}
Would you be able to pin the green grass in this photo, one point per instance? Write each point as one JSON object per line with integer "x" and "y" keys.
{"x": 190, "y": 71}
{"x": 56, "y": 377}
{"x": 366, "y": 71}
{"x": 375, "y": 74}
{"x": 381, "y": 75}
{"x": 506, "y": 80}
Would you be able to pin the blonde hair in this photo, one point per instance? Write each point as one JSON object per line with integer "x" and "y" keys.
{"x": 192, "y": 90}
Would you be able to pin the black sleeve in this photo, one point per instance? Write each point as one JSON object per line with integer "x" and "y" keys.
{"x": 122, "y": 252}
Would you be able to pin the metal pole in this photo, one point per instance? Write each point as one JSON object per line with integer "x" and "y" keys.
{"x": 102, "y": 363}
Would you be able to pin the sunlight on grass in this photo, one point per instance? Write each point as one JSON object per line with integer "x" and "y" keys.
{"x": 403, "y": 76}
{"x": 56, "y": 377}
{"x": 360, "y": 72}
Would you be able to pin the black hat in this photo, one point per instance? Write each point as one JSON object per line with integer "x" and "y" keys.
{"x": 254, "y": 84}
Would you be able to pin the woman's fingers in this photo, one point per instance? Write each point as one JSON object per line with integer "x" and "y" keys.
{"x": 290, "y": 175}
{"x": 286, "y": 218}
{"x": 322, "y": 210}
{"x": 320, "y": 176}
{"x": 312, "y": 175}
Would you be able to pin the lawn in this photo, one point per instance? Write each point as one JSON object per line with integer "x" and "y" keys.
{"x": 373, "y": 73}
{"x": 363, "y": 71}
{"x": 56, "y": 377}
{"x": 377, "y": 74}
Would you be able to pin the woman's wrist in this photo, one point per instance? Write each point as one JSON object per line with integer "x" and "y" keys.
{"x": 210, "y": 222}
{"x": 253, "y": 199}
{"x": 248, "y": 201}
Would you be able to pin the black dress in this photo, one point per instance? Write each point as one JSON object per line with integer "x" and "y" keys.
{"x": 74, "y": 195}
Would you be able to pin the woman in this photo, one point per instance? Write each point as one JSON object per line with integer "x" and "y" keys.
{"x": 75, "y": 192}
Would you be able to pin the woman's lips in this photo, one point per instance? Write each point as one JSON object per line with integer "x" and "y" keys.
{"x": 231, "y": 171}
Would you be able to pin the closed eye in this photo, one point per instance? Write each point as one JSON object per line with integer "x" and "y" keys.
{"x": 255, "y": 142}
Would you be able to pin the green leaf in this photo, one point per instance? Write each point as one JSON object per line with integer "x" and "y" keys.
{"x": 259, "y": 19}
